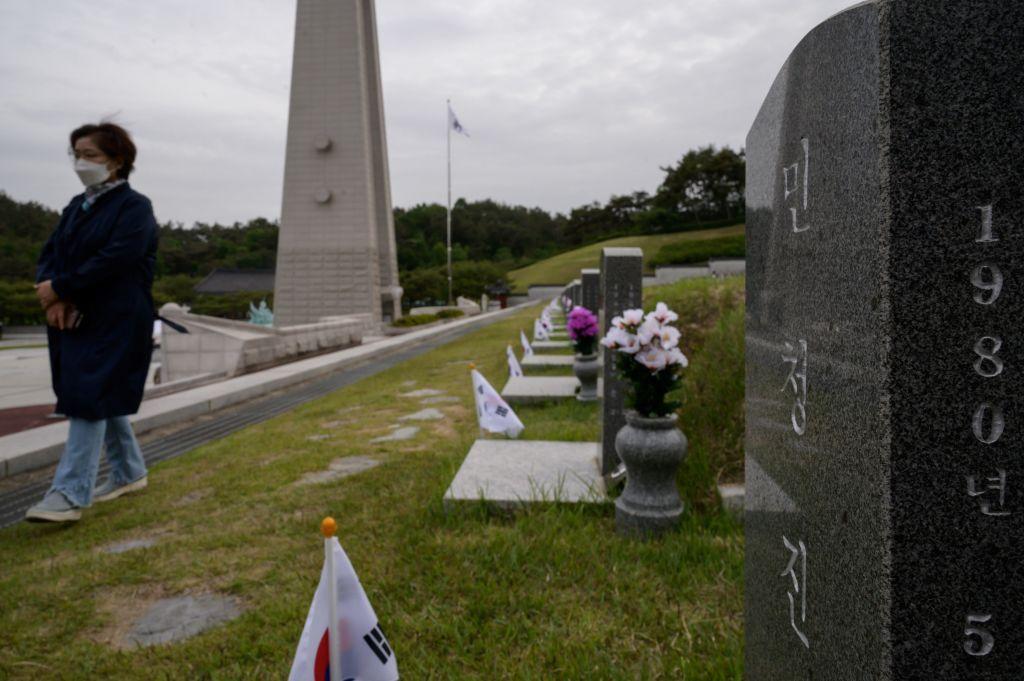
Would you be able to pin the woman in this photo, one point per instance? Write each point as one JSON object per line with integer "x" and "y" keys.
{"x": 94, "y": 280}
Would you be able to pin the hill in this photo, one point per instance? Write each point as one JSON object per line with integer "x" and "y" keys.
{"x": 566, "y": 266}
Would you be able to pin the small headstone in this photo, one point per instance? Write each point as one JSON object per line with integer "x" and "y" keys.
{"x": 129, "y": 545}
{"x": 429, "y": 414}
{"x": 622, "y": 278}
{"x": 422, "y": 392}
{"x": 338, "y": 469}
{"x": 398, "y": 434}
{"x": 181, "y": 617}
{"x": 439, "y": 400}
{"x": 885, "y": 235}
{"x": 590, "y": 289}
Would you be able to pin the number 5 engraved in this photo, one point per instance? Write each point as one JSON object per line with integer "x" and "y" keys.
{"x": 979, "y": 642}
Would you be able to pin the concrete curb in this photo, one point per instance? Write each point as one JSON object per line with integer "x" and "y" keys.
{"x": 39, "y": 447}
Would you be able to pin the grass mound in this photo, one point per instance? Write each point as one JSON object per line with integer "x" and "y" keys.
{"x": 565, "y": 267}
{"x": 692, "y": 252}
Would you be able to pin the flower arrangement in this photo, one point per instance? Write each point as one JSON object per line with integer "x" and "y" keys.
{"x": 648, "y": 357}
{"x": 583, "y": 330}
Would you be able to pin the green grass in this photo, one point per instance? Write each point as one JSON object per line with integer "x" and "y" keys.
{"x": 548, "y": 593}
{"x": 692, "y": 252}
{"x": 565, "y": 267}
{"x": 27, "y": 346}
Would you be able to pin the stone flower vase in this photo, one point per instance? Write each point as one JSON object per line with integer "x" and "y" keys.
{"x": 586, "y": 369}
{"x": 651, "y": 449}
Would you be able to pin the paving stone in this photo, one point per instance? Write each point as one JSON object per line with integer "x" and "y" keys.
{"x": 534, "y": 389}
{"x": 422, "y": 392}
{"x": 440, "y": 400}
{"x": 547, "y": 361}
{"x": 510, "y": 473}
{"x": 338, "y": 469}
{"x": 335, "y": 424}
{"x": 129, "y": 545}
{"x": 181, "y": 617}
{"x": 317, "y": 438}
{"x": 550, "y": 345}
{"x": 424, "y": 415}
{"x": 403, "y": 433}
{"x": 407, "y": 384}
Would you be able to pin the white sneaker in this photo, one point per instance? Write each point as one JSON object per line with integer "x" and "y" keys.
{"x": 54, "y": 508}
{"x": 109, "y": 491}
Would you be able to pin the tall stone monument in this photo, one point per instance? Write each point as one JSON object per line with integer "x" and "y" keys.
{"x": 336, "y": 250}
{"x": 590, "y": 289}
{"x": 885, "y": 231}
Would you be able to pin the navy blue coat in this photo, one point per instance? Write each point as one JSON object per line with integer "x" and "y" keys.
{"x": 102, "y": 260}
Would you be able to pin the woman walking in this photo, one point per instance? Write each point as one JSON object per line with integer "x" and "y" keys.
{"x": 94, "y": 280}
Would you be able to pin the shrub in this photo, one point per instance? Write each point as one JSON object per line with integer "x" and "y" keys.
{"x": 19, "y": 305}
{"x": 450, "y": 314}
{"x": 415, "y": 320}
{"x": 690, "y": 252}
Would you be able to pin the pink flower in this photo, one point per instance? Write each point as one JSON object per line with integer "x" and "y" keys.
{"x": 648, "y": 331}
{"x": 668, "y": 337}
{"x": 633, "y": 317}
{"x": 654, "y": 359}
{"x": 662, "y": 314}
{"x": 676, "y": 357}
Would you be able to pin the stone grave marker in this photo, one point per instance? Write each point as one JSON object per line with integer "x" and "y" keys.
{"x": 621, "y": 285}
{"x": 590, "y": 289}
{"x": 884, "y": 511}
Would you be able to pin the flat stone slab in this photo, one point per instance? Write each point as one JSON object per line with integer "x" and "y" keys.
{"x": 317, "y": 438}
{"x": 129, "y": 545}
{"x": 181, "y": 617}
{"x": 439, "y": 400}
{"x": 511, "y": 473}
{"x": 536, "y": 361}
{"x": 422, "y": 392}
{"x": 532, "y": 389}
{"x": 429, "y": 414}
{"x": 398, "y": 434}
{"x": 550, "y": 345}
{"x": 338, "y": 469}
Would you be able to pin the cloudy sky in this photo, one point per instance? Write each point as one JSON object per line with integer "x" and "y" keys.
{"x": 567, "y": 101}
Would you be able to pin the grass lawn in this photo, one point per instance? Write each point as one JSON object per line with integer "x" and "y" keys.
{"x": 27, "y": 346}
{"x": 550, "y": 593}
{"x": 564, "y": 267}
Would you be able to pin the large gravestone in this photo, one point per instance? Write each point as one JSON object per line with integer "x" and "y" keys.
{"x": 621, "y": 280}
{"x": 336, "y": 251}
{"x": 590, "y": 289}
{"x": 884, "y": 349}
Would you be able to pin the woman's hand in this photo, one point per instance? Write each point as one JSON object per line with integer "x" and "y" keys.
{"x": 57, "y": 315}
{"x": 47, "y": 296}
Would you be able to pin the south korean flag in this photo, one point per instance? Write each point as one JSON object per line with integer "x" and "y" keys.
{"x": 539, "y": 332}
{"x": 360, "y": 650}
{"x": 492, "y": 412}
{"x": 514, "y": 370}
{"x": 527, "y": 350}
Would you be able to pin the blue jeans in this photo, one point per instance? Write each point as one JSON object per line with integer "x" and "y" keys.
{"x": 76, "y": 472}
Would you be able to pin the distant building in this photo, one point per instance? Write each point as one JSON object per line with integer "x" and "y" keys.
{"x": 234, "y": 281}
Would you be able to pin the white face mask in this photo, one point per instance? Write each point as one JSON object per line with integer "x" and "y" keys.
{"x": 91, "y": 173}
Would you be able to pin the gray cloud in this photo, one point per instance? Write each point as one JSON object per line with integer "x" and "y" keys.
{"x": 567, "y": 102}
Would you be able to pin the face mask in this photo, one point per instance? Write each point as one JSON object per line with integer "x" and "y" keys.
{"x": 91, "y": 173}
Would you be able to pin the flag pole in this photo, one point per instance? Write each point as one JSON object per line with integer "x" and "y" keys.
{"x": 448, "y": 130}
{"x": 328, "y": 527}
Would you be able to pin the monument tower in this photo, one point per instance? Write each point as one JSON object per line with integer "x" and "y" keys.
{"x": 336, "y": 250}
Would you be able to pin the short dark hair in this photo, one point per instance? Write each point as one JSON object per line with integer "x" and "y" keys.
{"x": 113, "y": 140}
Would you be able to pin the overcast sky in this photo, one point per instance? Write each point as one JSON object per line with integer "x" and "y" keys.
{"x": 567, "y": 101}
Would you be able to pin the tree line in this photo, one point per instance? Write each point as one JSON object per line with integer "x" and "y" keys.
{"x": 490, "y": 238}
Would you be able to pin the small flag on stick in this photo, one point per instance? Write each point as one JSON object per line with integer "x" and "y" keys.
{"x": 540, "y": 333}
{"x": 527, "y": 350}
{"x": 355, "y": 646}
{"x": 492, "y": 412}
{"x": 514, "y": 369}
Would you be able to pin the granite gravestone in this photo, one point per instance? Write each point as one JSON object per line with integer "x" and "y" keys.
{"x": 621, "y": 282}
{"x": 885, "y": 484}
{"x": 590, "y": 289}
{"x": 576, "y": 292}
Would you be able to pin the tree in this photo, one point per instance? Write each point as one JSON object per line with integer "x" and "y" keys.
{"x": 706, "y": 184}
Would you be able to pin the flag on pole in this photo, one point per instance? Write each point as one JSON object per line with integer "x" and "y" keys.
{"x": 453, "y": 121}
{"x": 492, "y": 412}
{"x": 356, "y": 648}
{"x": 514, "y": 369}
{"x": 527, "y": 350}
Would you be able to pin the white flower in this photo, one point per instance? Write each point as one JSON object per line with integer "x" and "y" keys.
{"x": 633, "y": 317}
{"x": 617, "y": 323}
{"x": 648, "y": 331}
{"x": 630, "y": 345}
{"x": 669, "y": 336}
{"x": 654, "y": 359}
{"x": 662, "y": 314}
{"x": 676, "y": 357}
